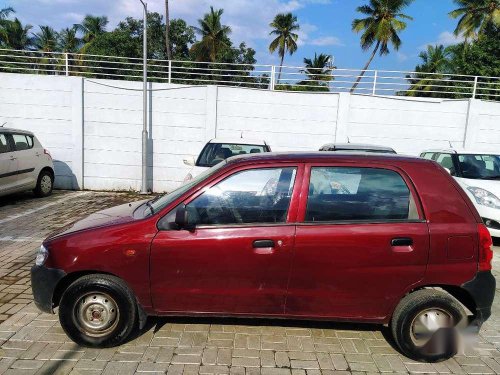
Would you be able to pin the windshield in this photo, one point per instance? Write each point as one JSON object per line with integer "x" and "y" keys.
{"x": 214, "y": 153}
{"x": 163, "y": 201}
{"x": 480, "y": 167}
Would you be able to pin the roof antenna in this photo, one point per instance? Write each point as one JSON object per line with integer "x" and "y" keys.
{"x": 450, "y": 144}
{"x": 241, "y": 136}
{"x": 1, "y": 126}
{"x": 348, "y": 140}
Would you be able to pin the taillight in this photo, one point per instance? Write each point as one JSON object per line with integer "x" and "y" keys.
{"x": 46, "y": 152}
{"x": 485, "y": 251}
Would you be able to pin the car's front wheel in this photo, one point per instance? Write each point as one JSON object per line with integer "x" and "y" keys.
{"x": 98, "y": 311}
{"x": 423, "y": 325}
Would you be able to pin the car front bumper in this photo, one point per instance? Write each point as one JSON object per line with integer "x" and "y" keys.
{"x": 482, "y": 290}
{"x": 43, "y": 284}
{"x": 492, "y": 214}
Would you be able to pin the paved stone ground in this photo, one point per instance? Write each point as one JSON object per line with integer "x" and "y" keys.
{"x": 34, "y": 343}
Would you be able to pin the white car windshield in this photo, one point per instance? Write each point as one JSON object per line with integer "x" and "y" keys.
{"x": 480, "y": 167}
{"x": 214, "y": 153}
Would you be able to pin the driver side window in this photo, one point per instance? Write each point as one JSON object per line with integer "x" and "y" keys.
{"x": 251, "y": 196}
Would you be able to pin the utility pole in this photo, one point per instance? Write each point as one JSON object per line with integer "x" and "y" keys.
{"x": 167, "y": 31}
{"x": 144, "y": 184}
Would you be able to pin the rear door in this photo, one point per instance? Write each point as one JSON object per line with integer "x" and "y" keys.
{"x": 8, "y": 164}
{"x": 361, "y": 242}
{"x": 27, "y": 160}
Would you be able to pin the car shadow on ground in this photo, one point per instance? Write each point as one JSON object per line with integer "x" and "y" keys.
{"x": 21, "y": 198}
{"x": 156, "y": 323}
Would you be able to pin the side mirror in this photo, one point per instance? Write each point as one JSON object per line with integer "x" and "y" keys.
{"x": 182, "y": 219}
{"x": 190, "y": 161}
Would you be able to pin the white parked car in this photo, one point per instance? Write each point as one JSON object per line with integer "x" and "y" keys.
{"x": 478, "y": 173}
{"x": 357, "y": 147}
{"x": 218, "y": 150}
{"x": 24, "y": 164}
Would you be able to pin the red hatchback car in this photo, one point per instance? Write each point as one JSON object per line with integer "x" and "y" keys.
{"x": 359, "y": 238}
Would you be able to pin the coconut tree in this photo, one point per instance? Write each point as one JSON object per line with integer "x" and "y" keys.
{"x": 46, "y": 39}
{"x": 214, "y": 36}
{"x": 319, "y": 68}
{"x": 429, "y": 76}
{"x": 91, "y": 27}
{"x": 4, "y": 13}
{"x": 284, "y": 28}
{"x": 68, "y": 40}
{"x": 15, "y": 35}
{"x": 381, "y": 26}
{"x": 475, "y": 15}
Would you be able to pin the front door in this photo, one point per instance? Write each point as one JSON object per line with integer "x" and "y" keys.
{"x": 8, "y": 165}
{"x": 360, "y": 245}
{"x": 236, "y": 256}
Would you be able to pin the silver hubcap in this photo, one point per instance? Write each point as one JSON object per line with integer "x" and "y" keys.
{"x": 46, "y": 184}
{"x": 427, "y": 322}
{"x": 97, "y": 314}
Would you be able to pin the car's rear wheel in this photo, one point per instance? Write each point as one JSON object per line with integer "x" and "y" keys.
{"x": 44, "y": 185}
{"x": 418, "y": 318}
{"x": 98, "y": 311}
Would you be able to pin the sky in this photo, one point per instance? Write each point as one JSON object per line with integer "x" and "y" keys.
{"x": 325, "y": 24}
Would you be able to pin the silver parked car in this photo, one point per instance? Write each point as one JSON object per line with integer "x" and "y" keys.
{"x": 24, "y": 164}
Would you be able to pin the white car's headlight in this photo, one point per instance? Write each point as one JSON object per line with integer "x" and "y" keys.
{"x": 41, "y": 256}
{"x": 484, "y": 197}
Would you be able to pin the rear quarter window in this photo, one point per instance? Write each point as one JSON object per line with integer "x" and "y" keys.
{"x": 22, "y": 141}
{"x": 4, "y": 144}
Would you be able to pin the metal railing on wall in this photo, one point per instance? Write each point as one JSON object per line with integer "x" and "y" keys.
{"x": 286, "y": 78}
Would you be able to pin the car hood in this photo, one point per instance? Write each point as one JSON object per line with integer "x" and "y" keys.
{"x": 493, "y": 186}
{"x": 111, "y": 216}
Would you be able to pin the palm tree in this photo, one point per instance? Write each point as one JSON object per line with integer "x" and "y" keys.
{"x": 46, "y": 39}
{"x": 214, "y": 36}
{"x": 91, "y": 27}
{"x": 68, "y": 41}
{"x": 319, "y": 68}
{"x": 475, "y": 15}
{"x": 435, "y": 60}
{"x": 5, "y": 12}
{"x": 15, "y": 35}
{"x": 381, "y": 27}
{"x": 167, "y": 31}
{"x": 284, "y": 27}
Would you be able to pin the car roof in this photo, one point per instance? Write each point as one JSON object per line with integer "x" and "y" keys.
{"x": 356, "y": 146}
{"x": 323, "y": 156}
{"x": 239, "y": 141}
{"x": 459, "y": 151}
{"x": 10, "y": 130}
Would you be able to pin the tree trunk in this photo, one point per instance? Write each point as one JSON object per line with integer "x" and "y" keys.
{"x": 281, "y": 66}
{"x": 167, "y": 31}
{"x": 365, "y": 68}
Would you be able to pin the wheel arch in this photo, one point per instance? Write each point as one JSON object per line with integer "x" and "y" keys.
{"x": 48, "y": 169}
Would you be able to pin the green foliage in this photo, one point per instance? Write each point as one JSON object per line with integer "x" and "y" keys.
{"x": 475, "y": 16}
{"x": 284, "y": 27}
{"x": 214, "y": 37}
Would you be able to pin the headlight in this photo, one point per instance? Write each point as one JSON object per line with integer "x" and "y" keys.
{"x": 484, "y": 197}
{"x": 41, "y": 256}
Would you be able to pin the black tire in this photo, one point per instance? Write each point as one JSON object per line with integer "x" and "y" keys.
{"x": 42, "y": 189}
{"x": 407, "y": 311}
{"x": 81, "y": 295}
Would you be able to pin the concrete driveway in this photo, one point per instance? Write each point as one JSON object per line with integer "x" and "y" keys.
{"x": 32, "y": 342}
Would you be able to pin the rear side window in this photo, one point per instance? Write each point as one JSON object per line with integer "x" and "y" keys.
{"x": 22, "y": 142}
{"x": 358, "y": 194}
{"x": 446, "y": 161}
{"x": 4, "y": 144}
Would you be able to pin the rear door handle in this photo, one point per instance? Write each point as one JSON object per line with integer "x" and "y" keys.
{"x": 12, "y": 158}
{"x": 263, "y": 244}
{"x": 402, "y": 241}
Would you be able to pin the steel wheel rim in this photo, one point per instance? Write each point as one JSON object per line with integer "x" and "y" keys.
{"x": 427, "y": 322}
{"x": 46, "y": 183}
{"x": 97, "y": 314}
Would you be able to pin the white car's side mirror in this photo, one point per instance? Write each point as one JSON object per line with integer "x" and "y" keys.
{"x": 190, "y": 161}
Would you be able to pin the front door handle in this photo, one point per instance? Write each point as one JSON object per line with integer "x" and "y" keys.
{"x": 404, "y": 241}
{"x": 263, "y": 244}
{"x": 12, "y": 158}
